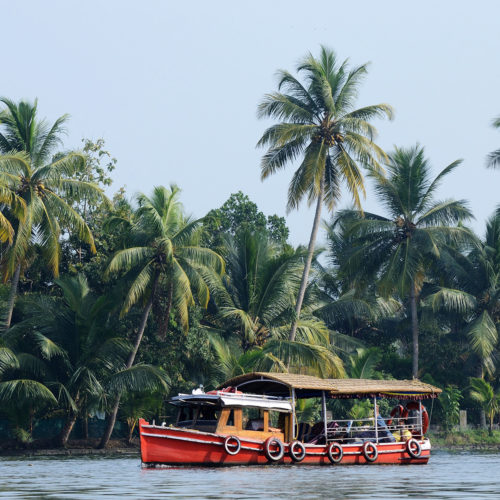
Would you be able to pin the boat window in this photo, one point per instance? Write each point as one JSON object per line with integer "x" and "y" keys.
{"x": 253, "y": 419}
{"x": 230, "y": 419}
{"x": 185, "y": 416}
{"x": 207, "y": 413}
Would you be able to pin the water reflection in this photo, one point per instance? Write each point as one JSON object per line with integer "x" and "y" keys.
{"x": 448, "y": 475}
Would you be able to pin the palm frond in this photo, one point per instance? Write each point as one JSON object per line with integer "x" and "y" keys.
{"x": 138, "y": 378}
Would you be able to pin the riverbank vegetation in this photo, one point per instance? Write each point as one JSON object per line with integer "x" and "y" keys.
{"x": 111, "y": 305}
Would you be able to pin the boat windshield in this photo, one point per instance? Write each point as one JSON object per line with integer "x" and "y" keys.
{"x": 203, "y": 418}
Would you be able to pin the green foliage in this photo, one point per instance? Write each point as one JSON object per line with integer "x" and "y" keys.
{"x": 473, "y": 437}
{"x": 365, "y": 361}
{"x": 308, "y": 410}
{"x": 319, "y": 123}
{"x": 482, "y": 392}
{"x": 136, "y": 405}
{"x": 493, "y": 159}
{"x": 396, "y": 251}
{"x": 450, "y": 403}
{"x": 361, "y": 410}
{"x": 239, "y": 214}
{"x": 212, "y": 298}
{"x": 255, "y": 308}
{"x": 164, "y": 251}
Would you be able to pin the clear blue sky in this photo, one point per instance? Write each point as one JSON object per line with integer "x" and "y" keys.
{"x": 173, "y": 86}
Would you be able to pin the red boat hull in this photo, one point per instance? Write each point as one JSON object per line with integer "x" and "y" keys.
{"x": 176, "y": 446}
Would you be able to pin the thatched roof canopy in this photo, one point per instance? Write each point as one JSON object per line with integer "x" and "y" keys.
{"x": 280, "y": 384}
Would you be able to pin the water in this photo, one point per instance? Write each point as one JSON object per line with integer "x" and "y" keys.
{"x": 448, "y": 475}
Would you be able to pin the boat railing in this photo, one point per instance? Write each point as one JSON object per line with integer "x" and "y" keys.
{"x": 366, "y": 429}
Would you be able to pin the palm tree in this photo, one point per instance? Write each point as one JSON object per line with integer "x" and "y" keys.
{"x": 321, "y": 125}
{"x": 470, "y": 291}
{"x": 397, "y": 249}
{"x": 21, "y": 394}
{"x": 484, "y": 394}
{"x": 473, "y": 292}
{"x": 493, "y": 159}
{"x": 255, "y": 309}
{"x": 164, "y": 252}
{"x": 43, "y": 184}
{"x": 83, "y": 355}
{"x": 364, "y": 363}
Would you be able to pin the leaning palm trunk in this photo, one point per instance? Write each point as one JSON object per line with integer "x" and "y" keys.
{"x": 414, "y": 327}
{"x": 131, "y": 427}
{"x": 12, "y": 295}
{"x": 114, "y": 412}
{"x": 310, "y": 253}
{"x": 165, "y": 321}
{"x": 62, "y": 440}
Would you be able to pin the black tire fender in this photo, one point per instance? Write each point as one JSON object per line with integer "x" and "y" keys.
{"x": 335, "y": 452}
{"x": 413, "y": 448}
{"x": 370, "y": 451}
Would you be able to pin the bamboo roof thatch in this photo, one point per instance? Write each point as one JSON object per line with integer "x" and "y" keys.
{"x": 308, "y": 386}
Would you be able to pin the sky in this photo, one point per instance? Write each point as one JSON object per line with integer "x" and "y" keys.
{"x": 173, "y": 87}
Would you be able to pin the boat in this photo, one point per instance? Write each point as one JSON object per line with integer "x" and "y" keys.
{"x": 252, "y": 420}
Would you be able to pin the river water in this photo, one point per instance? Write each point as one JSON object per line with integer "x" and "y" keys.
{"x": 447, "y": 475}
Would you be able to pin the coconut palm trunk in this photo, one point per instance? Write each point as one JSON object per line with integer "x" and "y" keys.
{"x": 414, "y": 328}
{"x": 116, "y": 404}
{"x": 164, "y": 324}
{"x": 62, "y": 440}
{"x": 12, "y": 296}
{"x": 482, "y": 413}
{"x": 310, "y": 253}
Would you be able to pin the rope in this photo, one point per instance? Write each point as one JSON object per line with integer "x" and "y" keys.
{"x": 432, "y": 407}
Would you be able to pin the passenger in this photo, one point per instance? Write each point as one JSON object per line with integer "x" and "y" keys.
{"x": 383, "y": 432}
{"x": 402, "y": 434}
{"x": 256, "y": 424}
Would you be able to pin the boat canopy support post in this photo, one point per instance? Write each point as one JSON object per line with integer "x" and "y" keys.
{"x": 324, "y": 416}
{"x": 295, "y": 424}
{"x": 375, "y": 418}
{"x": 420, "y": 419}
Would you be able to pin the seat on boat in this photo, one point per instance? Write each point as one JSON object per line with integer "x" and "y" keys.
{"x": 303, "y": 431}
{"x": 317, "y": 434}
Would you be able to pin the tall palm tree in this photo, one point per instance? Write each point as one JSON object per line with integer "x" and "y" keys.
{"x": 321, "y": 125}
{"x": 397, "y": 249}
{"x": 164, "y": 252}
{"x": 493, "y": 159}
{"x": 43, "y": 183}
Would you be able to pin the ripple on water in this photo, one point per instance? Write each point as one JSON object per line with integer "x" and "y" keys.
{"x": 448, "y": 475}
